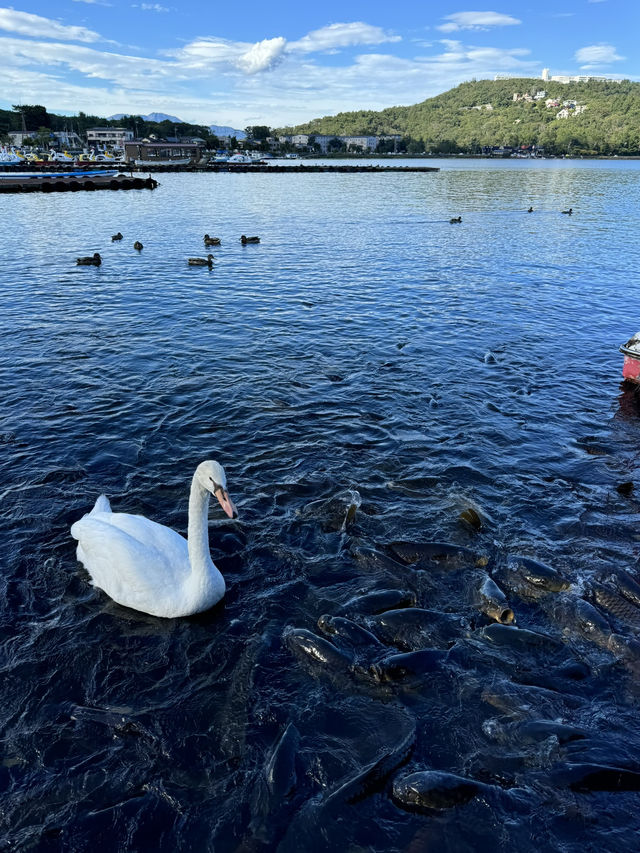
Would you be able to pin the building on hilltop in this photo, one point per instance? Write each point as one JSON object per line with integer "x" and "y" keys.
{"x": 578, "y": 78}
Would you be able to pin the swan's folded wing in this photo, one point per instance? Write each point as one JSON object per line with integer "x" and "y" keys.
{"x": 150, "y": 535}
{"x": 128, "y": 570}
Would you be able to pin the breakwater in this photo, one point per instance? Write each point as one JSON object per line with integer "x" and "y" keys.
{"x": 74, "y": 181}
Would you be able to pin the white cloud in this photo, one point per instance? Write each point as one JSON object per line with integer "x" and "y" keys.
{"x": 597, "y": 54}
{"x": 93, "y": 2}
{"x": 151, "y": 7}
{"x": 341, "y": 35}
{"x": 476, "y": 21}
{"x": 206, "y": 53}
{"x": 26, "y": 24}
{"x": 262, "y": 56}
{"x": 126, "y": 71}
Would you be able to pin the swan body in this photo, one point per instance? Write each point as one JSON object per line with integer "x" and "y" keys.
{"x": 92, "y": 261}
{"x": 149, "y": 567}
{"x": 201, "y": 262}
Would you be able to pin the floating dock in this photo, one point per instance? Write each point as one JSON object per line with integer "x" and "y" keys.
{"x": 73, "y": 182}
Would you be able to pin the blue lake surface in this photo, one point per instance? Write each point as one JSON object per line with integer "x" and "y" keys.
{"x": 368, "y": 374}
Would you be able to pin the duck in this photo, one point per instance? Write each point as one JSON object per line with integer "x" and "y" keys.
{"x": 244, "y": 240}
{"x": 530, "y": 210}
{"x": 149, "y": 567}
{"x": 93, "y": 261}
{"x": 569, "y": 212}
{"x": 455, "y": 219}
{"x": 138, "y": 245}
{"x": 117, "y": 236}
{"x": 211, "y": 241}
{"x": 201, "y": 262}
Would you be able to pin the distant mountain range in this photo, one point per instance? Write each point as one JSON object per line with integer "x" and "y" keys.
{"x": 223, "y": 130}
{"x": 216, "y": 129}
{"x": 151, "y": 117}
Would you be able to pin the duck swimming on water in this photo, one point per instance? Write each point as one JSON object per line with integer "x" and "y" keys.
{"x": 455, "y": 220}
{"x": 570, "y": 211}
{"x": 117, "y": 236}
{"x": 201, "y": 262}
{"x": 94, "y": 261}
{"x": 138, "y": 245}
{"x": 211, "y": 241}
{"x": 244, "y": 240}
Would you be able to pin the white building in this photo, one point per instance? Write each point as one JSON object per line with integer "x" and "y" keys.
{"x": 578, "y": 78}
{"x": 110, "y": 137}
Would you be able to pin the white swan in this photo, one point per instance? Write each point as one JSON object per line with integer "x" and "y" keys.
{"x": 150, "y": 567}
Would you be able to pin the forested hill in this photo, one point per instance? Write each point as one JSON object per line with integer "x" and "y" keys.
{"x": 604, "y": 118}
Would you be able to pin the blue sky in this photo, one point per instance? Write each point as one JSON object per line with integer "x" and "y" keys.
{"x": 251, "y": 62}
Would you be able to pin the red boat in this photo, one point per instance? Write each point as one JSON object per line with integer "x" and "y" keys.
{"x": 631, "y": 352}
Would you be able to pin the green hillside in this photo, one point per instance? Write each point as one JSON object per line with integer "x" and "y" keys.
{"x": 483, "y": 113}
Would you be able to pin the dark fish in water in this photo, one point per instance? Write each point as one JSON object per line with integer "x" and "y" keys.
{"x": 380, "y": 600}
{"x": 471, "y": 518}
{"x": 279, "y": 771}
{"x": 620, "y": 607}
{"x": 430, "y": 554}
{"x": 336, "y": 514}
{"x": 310, "y": 648}
{"x": 533, "y": 731}
{"x": 627, "y": 586}
{"x": 576, "y": 616}
{"x": 403, "y": 667}
{"x": 415, "y": 628}
{"x": 517, "y": 638}
{"x": 537, "y": 575}
{"x": 348, "y": 631}
{"x": 275, "y": 785}
{"x": 492, "y": 601}
{"x": 434, "y": 790}
{"x": 521, "y": 702}
{"x": 374, "y": 774}
{"x": 376, "y": 560}
{"x": 323, "y": 822}
{"x": 596, "y": 777}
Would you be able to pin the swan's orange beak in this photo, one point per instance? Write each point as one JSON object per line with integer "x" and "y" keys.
{"x": 226, "y": 503}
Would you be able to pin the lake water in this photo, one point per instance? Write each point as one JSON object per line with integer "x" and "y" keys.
{"x": 367, "y": 355}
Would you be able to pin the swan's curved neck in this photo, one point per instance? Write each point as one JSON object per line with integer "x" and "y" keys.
{"x": 198, "y": 532}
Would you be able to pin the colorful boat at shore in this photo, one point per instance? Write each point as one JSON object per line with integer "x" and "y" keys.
{"x": 10, "y": 157}
{"x": 631, "y": 365}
